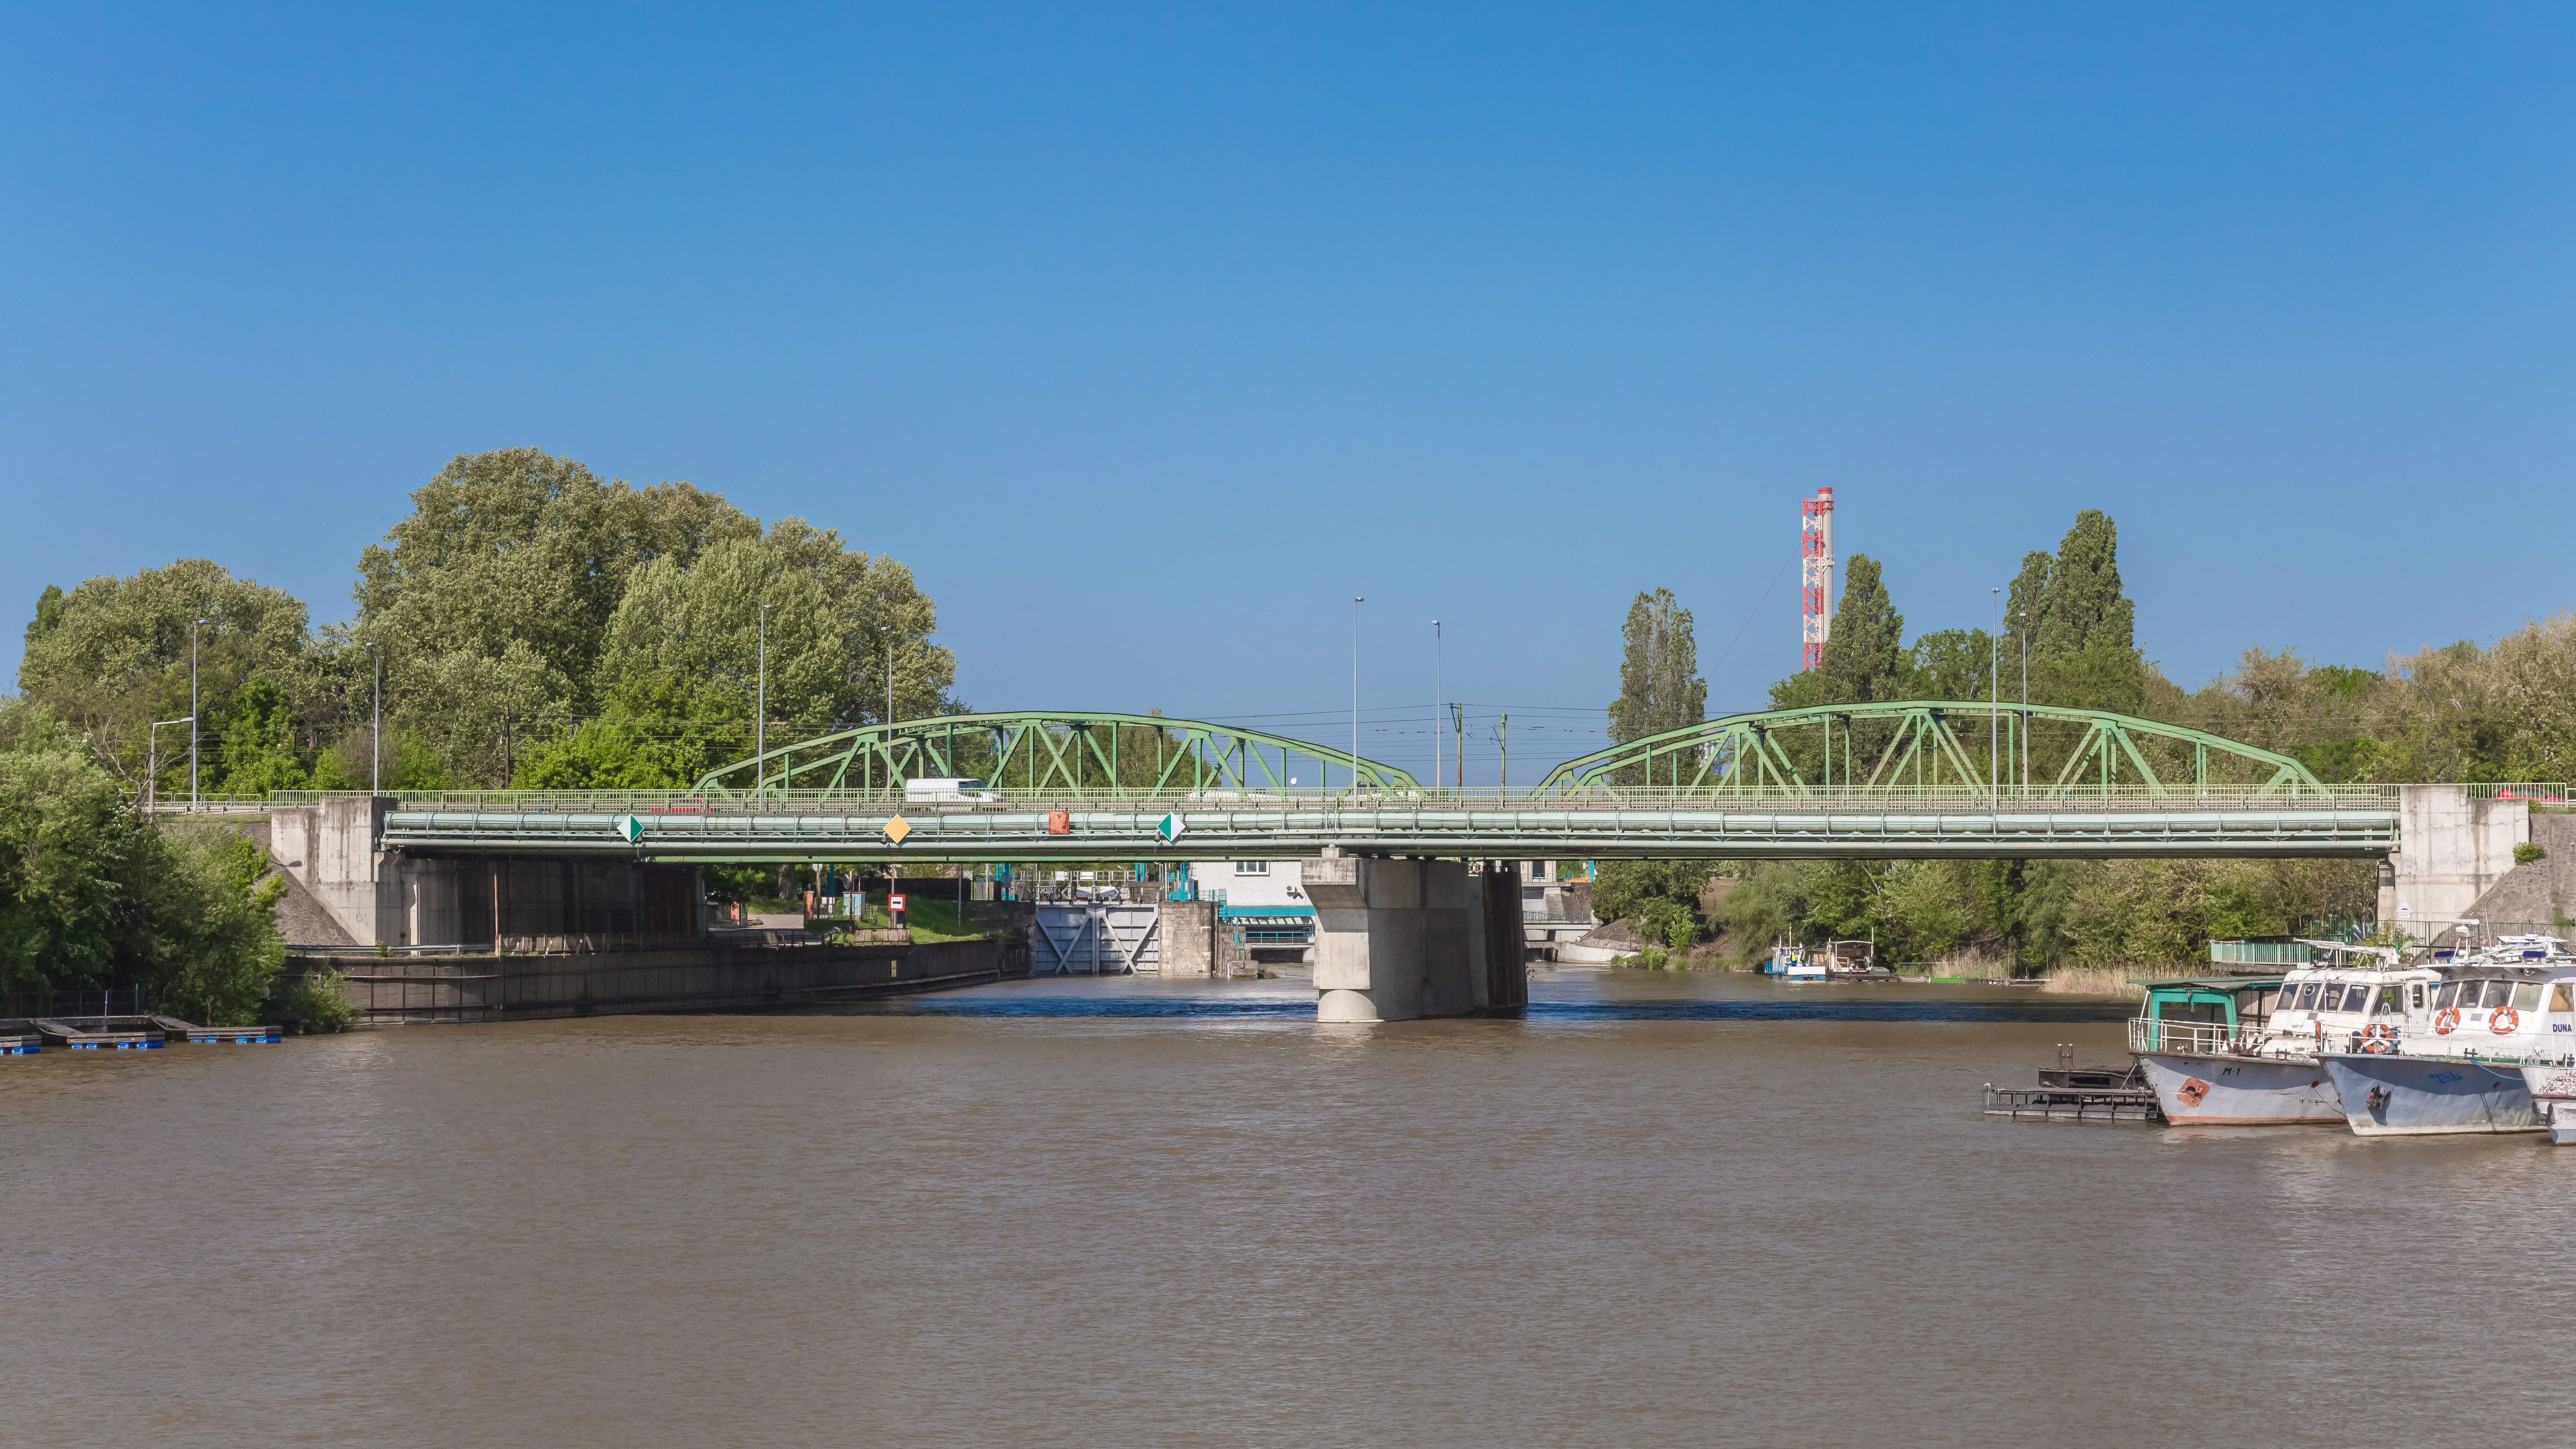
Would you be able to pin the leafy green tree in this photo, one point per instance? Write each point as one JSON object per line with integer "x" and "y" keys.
{"x": 215, "y": 949}
{"x": 1660, "y": 687}
{"x": 2083, "y": 649}
{"x": 480, "y": 712}
{"x": 93, "y": 897}
{"x": 519, "y": 548}
{"x": 1865, "y": 659}
{"x": 1952, "y": 664}
{"x": 258, "y": 753}
{"x": 688, "y": 641}
{"x": 617, "y": 753}
{"x": 112, "y": 655}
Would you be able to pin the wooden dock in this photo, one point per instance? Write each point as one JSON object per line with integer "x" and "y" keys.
{"x": 19, "y": 1037}
{"x": 2073, "y": 1104}
{"x": 99, "y": 1033}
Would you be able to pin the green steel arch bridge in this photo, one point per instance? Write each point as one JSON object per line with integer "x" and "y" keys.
{"x": 1916, "y": 778}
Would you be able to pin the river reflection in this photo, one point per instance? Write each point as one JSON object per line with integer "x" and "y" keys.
{"x": 1655, "y": 1210}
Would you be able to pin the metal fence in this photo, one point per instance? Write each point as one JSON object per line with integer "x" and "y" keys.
{"x": 1014, "y": 801}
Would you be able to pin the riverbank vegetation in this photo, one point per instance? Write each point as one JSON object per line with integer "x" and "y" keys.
{"x": 2456, "y": 713}
{"x": 94, "y": 897}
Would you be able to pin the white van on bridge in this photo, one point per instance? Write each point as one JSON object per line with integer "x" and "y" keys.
{"x": 949, "y": 792}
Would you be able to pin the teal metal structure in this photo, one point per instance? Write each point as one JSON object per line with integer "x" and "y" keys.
{"x": 1918, "y": 747}
{"x": 1093, "y": 755}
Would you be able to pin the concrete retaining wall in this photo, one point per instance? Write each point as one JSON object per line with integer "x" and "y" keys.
{"x": 390, "y": 989}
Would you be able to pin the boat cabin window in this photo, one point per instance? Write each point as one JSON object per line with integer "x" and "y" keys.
{"x": 2561, "y": 999}
{"x": 2526, "y": 996}
{"x": 2391, "y": 1002}
{"x": 2354, "y": 997}
{"x": 2498, "y": 993}
{"x": 2449, "y": 996}
{"x": 2307, "y": 998}
{"x": 2415, "y": 994}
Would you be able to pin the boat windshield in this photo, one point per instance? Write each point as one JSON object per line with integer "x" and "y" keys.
{"x": 2526, "y": 996}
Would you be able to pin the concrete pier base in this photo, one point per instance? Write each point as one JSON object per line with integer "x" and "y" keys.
{"x": 1399, "y": 939}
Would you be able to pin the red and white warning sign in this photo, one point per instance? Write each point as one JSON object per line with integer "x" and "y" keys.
{"x": 894, "y": 904}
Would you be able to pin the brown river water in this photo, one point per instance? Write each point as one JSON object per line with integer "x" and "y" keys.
{"x": 1658, "y": 1210}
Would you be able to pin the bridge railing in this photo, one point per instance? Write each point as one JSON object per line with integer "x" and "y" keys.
{"x": 1477, "y": 798}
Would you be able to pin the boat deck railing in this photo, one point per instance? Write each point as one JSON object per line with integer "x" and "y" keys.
{"x": 2214, "y": 1038}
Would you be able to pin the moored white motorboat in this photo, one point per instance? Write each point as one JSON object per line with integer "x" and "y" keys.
{"x": 2463, "y": 1056}
{"x": 2248, "y": 1051}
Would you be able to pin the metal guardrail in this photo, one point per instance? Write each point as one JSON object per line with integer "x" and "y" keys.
{"x": 1472, "y": 797}
{"x": 1184, "y": 829}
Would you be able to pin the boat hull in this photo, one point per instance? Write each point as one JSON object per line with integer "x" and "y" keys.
{"x": 2397, "y": 1096}
{"x": 2201, "y": 1090}
{"x": 2553, "y": 1095}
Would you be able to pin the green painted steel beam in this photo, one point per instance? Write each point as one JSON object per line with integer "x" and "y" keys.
{"x": 1743, "y": 754}
{"x": 1041, "y": 750}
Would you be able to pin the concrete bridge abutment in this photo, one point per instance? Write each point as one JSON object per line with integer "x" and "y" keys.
{"x": 2452, "y": 846}
{"x": 1398, "y": 938}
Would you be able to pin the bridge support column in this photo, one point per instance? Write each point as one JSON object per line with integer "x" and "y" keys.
{"x": 1391, "y": 938}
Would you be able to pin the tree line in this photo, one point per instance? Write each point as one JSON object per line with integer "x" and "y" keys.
{"x": 525, "y": 623}
{"x": 2456, "y": 713}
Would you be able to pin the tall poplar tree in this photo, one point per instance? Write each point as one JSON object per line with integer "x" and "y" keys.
{"x": 1660, "y": 687}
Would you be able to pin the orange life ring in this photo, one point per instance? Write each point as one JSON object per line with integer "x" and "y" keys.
{"x": 2379, "y": 1039}
{"x": 2503, "y": 1020}
{"x": 2445, "y": 1020}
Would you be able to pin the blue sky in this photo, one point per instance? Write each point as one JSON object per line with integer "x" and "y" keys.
{"x": 1149, "y": 337}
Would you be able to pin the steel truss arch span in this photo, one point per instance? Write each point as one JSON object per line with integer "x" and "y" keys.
{"x": 1918, "y": 746}
{"x": 1100, "y": 755}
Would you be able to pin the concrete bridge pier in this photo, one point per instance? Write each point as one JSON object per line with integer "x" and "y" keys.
{"x": 1397, "y": 938}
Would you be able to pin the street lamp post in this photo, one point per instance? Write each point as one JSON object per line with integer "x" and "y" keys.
{"x": 1994, "y": 705}
{"x": 2021, "y": 623}
{"x": 376, "y": 735}
{"x": 1436, "y": 693}
{"x": 192, "y": 712}
{"x": 1356, "y": 601}
{"x": 760, "y": 724}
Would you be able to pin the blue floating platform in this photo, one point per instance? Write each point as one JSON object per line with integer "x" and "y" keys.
{"x": 173, "y": 1029}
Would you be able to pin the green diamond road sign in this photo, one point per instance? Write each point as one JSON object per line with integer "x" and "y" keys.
{"x": 631, "y": 828}
{"x": 1171, "y": 828}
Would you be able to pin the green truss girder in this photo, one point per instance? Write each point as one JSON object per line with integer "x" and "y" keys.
{"x": 1046, "y": 751}
{"x": 1741, "y": 754}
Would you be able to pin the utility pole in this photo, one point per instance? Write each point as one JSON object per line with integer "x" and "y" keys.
{"x": 1994, "y": 706}
{"x": 1356, "y": 601}
{"x": 760, "y": 725}
{"x": 192, "y": 712}
{"x": 1458, "y": 724}
{"x": 1503, "y": 742}
{"x": 376, "y": 743}
{"x": 2022, "y": 623}
{"x": 1436, "y": 692}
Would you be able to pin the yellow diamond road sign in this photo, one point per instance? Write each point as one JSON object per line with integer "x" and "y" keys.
{"x": 896, "y": 829}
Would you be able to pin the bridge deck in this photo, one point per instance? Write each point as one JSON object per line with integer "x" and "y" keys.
{"x": 1286, "y": 827}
